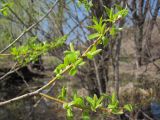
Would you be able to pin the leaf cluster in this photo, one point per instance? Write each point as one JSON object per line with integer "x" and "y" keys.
{"x": 31, "y": 51}
{"x": 72, "y": 58}
{"x": 92, "y": 104}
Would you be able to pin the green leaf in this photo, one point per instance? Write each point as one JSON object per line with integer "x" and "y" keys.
{"x": 63, "y": 93}
{"x": 90, "y": 3}
{"x": 71, "y": 47}
{"x": 113, "y": 30}
{"x": 93, "y": 102}
{"x": 112, "y": 106}
{"x": 89, "y": 55}
{"x": 71, "y": 104}
{"x": 114, "y": 102}
{"x": 123, "y": 13}
{"x": 99, "y": 101}
{"x": 65, "y": 106}
{"x": 93, "y": 36}
{"x": 4, "y": 11}
{"x": 71, "y": 57}
{"x": 59, "y": 76}
{"x": 82, "y": 63}
{"x": 94, "y": 48}
{"x": 111, "y": 14}
{"x": 73, "y": 71}
{"x": 128, "y": 107}
{"x": 95, "y": 98}
{"x": 85, "y": 115}
{"x": 96, "y": 52}
{"x": 105, "y": 41}
{"x": 103, "y": 29}
{"x": 90, "y": 100}
{"x": 117, "y": 112}
{"x": 60, "y": 41}
{"x": 67, "y": 52}
{"x": 78, "y": 100}
{"x": 79, "y": 61}
{"x": 69, "y": 113}
{"x": 99, "y": 26}
{"x": 59, "y": 68}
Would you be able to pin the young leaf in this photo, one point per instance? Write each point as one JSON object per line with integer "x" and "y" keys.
{"x": 99, "y": 101}
{"x": 96, "y": 52}
{"x": 71, "y": 47}
{"x": 63, "y": 93}
{"x": 117, "y": 112}
{"x": 85, "y": 115}
{"x": 128, "y": 107}
{"x": 89, "y": 55}
{"x": 78, "y": 62}
{"x": 73, "y": 71}
{"x": 69, "y": 113}
{"x": 78, "y": 100}
{"x": 67, "y": 52}
{"x": 82, "y": 63}
{"x": 65, "y": 106}
{"x": 113, "y": 30}
{"x": 59, "y": 68}
{"x": 71, "y": 57}
{"x": 105, "y": 41}
{"x": 111, "y": 14}
{"x": 93, "y": 36}
{"x": 89, "y": 100}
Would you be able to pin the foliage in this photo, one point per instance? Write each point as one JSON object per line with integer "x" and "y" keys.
{"x": 32, "y": 50}
{"x": 4, "y": 7}
{"x": 93, "y": 104}
{"x": 71, "y": 57}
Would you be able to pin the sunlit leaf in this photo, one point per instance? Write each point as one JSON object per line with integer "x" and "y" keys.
{"x": 128, "y": 107}
{"x": 93, "y": 36}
